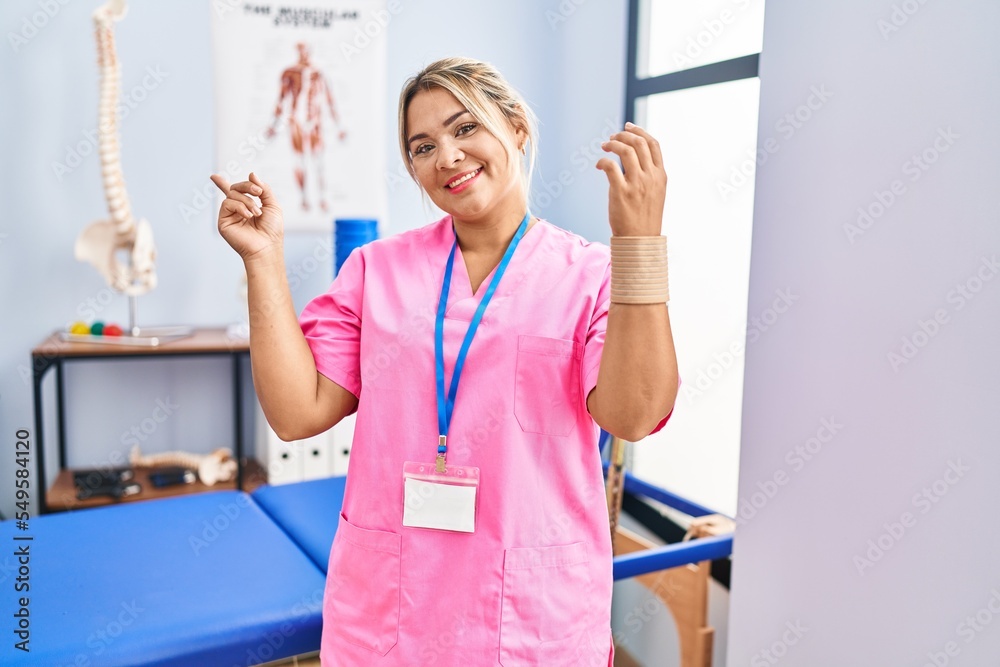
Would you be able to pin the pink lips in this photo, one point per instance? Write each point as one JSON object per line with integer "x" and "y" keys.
{"x": 467, "y": 183}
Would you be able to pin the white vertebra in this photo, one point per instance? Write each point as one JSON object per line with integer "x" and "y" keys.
{"x": 100, "y": 242}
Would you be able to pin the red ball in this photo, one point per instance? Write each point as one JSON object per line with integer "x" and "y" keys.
{"x": 112, "y": 330}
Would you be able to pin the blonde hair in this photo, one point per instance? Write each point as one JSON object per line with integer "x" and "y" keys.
{"x": 483, "y": 91}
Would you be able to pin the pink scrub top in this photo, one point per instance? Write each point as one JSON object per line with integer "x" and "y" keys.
{"x": 532, "y": 585}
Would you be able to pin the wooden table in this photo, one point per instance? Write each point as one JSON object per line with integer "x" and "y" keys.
{"x": 54, "y": 352}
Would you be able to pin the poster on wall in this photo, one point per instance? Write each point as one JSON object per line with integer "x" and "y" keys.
{"x": 299, "y": 93}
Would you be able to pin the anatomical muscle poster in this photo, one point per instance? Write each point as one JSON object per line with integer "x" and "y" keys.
{"x": 300, "y": 101}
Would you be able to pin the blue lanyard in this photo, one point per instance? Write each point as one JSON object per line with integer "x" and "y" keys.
{"x": 446, "y": 408}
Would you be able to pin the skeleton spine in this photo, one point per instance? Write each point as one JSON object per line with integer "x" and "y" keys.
{"x": 107, "y": 128}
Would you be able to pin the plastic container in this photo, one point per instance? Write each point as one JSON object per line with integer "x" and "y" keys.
{"x": 351, "y": 233}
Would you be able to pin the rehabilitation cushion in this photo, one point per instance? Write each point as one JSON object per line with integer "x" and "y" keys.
{"x": 308, "y": 511}
{"x": 202, "y": 579}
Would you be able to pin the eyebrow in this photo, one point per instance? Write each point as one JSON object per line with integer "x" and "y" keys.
{"x": 448, "y": 122}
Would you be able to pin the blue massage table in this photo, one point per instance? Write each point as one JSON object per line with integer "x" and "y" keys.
{"x": 218, "y": 578}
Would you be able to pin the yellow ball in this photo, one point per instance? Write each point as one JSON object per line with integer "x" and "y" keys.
{"x": 79, "y": 328}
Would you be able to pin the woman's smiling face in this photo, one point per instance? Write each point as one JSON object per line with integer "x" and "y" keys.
{"x": 463, "y": 168}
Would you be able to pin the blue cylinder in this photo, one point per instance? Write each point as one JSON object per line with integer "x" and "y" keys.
{"x": 351, "y": 233}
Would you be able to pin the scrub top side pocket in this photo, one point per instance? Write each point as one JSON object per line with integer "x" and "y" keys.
{"x": 546, "y": 384}
{"x": 545, "y": 619}
{"x": 363, "y": 587}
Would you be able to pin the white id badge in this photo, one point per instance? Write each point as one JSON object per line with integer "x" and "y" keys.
{"x": 443, "y": 501}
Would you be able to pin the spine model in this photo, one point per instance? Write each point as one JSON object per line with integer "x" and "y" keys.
{"x": 219, "y": 466}
{"x": 107, "y": 127}
{"x": 101, "y": 242}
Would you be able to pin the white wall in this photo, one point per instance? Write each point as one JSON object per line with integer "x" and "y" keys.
{"x": 567, "y": 58}
{"x": 899, "y": 430}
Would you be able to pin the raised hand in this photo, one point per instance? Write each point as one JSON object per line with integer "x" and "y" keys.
{"x": 250, "y": 229}
{"x": 635, "y": 198}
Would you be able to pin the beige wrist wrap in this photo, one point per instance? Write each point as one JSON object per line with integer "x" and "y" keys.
{"x": 639, "y": 269}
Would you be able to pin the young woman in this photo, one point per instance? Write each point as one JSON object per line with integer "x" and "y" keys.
{"x": 481, "y": 353}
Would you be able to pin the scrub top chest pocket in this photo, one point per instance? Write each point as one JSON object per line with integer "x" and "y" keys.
{"x": 547, "y": 384}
